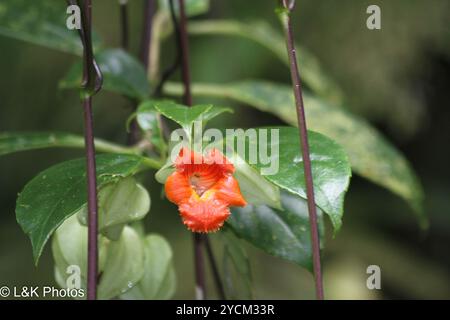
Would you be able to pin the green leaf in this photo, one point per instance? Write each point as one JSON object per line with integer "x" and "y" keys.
{"x": 262, "y": 33}
{"x": 282, "y": 233}
{"x": 186, "y": 116}
{"x": 370, "y": 154}
{"x": 122, "y": 74}
{"x": 40, "y": 22}
{"x": 60, "y": 191}
{"x": 275, "y": 153}
{"x": 119, "y": 203}
{"x": 121, "y": 262}
{"x": 192, "y": 7}
{"x": 69, "y": 248}
{"x": 236, "y": 269}
{"x": 181, "y": 114}
{"x": 11, "y": 142}
{"x": 124, "y": 264}
{"x": 214, "y": 112}
{"x": 159, "y": 280}
{"x": 255, "y": 189}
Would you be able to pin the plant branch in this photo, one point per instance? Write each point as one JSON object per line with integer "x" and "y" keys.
{"x": 92, "y": 81}
{"x": 200, "y": 286}
{"x": 124, "y": 24}
{"x": 187, "y": 100}
{"x": 160, "y": 21}
{"x": 184, "y": 41}
{"x": 149, "y": 10}
{"x": 200, "y": 88}
{"x": 214, "y": 268}
{"x": 133, "y": 133}
{"x": 285, "y": 11}
{"x": 177, "y": 61}
{"x": 92, "y": 202}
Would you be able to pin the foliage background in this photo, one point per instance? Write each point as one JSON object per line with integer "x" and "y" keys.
{"x": 398, "y": 78}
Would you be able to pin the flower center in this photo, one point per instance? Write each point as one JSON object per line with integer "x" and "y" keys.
{"x": 195, "y": 181}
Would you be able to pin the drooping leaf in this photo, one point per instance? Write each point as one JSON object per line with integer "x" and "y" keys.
{"x": 122, "y": 74}
{"x": 264, "y": 34}
{"x": 283, "y": 233}
{"x": 69, "y": 248}
{"x": 192, "y": 7}
{"x": 119, "y": 203}
{"x": 121, "y": 262}
{"x": 159, "y": 280}
{"x": 60, "y": 191}
{"x": 11, "y": 142}
{"x": 124, "y": 264}
{"x": 237, "y": 277}
{"x": 370, "y": 154}
{"x": 40, "y": 22}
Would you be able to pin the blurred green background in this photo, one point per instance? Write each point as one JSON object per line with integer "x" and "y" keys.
{"x": 397, "y": 77}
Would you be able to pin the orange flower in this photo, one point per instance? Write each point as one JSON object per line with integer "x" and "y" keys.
{"x": 203, "y": 188}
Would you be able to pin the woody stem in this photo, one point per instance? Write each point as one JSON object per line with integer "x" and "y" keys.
{"x": 92, "y": 82}
{"x": 200, "y": 289}
{"x": 214, "y": 269}
{"x": 287, "y": 6}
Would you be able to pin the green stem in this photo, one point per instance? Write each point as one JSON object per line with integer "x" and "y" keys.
{"x": 161, "y": 22}
{"x": 109, "y": 147}
{"x": 106, "y": 146}
{"x": 199, "y": 89}
{"x": 15, "y": 142}
{"x": 152, "y": 163}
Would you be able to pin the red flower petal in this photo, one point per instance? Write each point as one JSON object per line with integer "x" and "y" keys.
{"x": 203, "y": 188}
{"x": 216, "y": 157}
{"x": 189, "y": 162}
{"x": 178, "y": 188}
{"x": 228, "y": 191}
{"x": 204, "y": 216}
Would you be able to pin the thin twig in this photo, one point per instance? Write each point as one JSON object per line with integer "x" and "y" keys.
{"x": 149, "y": 10}
{"x": 200, "y": 283}
{"x": 92, "y": 81}
{"x": 184, "y": 41}
{"x": 288, "y": 6}
{"x": 133, "y": 133}
{"x": 177, "y": 61}
{"x": 157, "y": 93}
{"x": 214, "y": 268}
{"x": 92, "y": 202}
{"x": 187, "y": 100}
{"x": 124, "y": 24}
